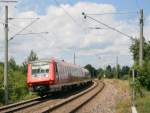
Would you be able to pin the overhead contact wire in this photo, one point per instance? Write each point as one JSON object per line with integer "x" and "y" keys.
{"x": 108, "y": 26}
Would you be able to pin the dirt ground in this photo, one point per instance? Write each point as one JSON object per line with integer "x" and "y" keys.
{"x": 115, "y": 92}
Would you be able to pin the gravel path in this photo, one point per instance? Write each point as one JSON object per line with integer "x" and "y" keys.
{"x": 68, "y": 107}
{"x": 105, "y": 102}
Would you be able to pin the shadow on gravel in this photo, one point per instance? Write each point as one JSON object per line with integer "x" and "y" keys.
{"x": 67, "y": 93}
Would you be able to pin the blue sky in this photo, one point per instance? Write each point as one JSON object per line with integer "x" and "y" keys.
{"x": 121, "y": 5}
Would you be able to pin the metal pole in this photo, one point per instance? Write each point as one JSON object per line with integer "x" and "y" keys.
{"x": 141, "y": 43}
{"x": 133, "y": 93}
{"x": 74, "y": 58}
{"x": 117, "y": 67}
{"x": 6, "y": 56}
{"x": 6, "y": 51}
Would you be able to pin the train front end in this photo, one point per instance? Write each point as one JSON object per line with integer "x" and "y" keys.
{"x": 40, "y": 76}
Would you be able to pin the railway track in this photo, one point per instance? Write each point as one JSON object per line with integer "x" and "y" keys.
{"x": 47, "y": 105}
{"x": 74, "y": 103}
{"x": 21, "y": 105}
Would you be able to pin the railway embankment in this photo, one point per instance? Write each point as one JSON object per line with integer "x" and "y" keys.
{"x": 109, "y": 99}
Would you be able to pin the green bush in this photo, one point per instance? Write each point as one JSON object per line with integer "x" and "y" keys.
{"x": 144, "y": 74}
{"x": 17, "y": 86}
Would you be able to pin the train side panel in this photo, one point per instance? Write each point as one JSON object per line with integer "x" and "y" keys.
{"x": 70, "y": 73}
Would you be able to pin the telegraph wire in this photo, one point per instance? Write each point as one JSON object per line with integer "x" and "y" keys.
{"x": 108, "y": 26}
{"x": 84, "y": 28}
{"x": 115, "y": 13}
{"x": 23, "y": 29}
{"x": 71, "y": 17}
{"x": 57, "y": 3}
{"x": 2, "y": 22}
{"x": 120, "y": 13}
{"x": 16, "y": 26}
{"x": 33, "y": 33}
{"x": 23, "y": 18}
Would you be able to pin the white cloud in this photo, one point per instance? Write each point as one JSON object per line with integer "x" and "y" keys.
{"x": 66, "y": 36}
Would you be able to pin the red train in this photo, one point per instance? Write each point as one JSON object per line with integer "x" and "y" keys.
{"x": 45, "y": 76}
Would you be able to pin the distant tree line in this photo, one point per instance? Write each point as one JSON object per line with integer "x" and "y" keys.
{"x": 109, "y": 72}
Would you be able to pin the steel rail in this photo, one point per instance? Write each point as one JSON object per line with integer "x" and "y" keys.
{"x": 24, "y": 104}
{"x": 86, "y": 101}
{"x": 69, "y": 100}
{"x": 20, "y": 105}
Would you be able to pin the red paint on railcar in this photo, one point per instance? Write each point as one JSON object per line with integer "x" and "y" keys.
{"x": 29, "y": 74}
{"x": 52, "y": 71}
{"x": 42, "y": 80}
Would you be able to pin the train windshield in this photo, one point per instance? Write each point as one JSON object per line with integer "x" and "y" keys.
{"x": 40, "y": 69}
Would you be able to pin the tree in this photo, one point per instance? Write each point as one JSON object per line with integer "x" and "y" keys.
{"x": 147, "y": 51}
{"x": 124, "y": 72}
{"x": 100, "y": 73}
{"x": 32, "y": 57}
{"x": 91, "y": 69}
{"x": 12, "y": 63}
{"x": 144, "y": 72}
{"x": 134, "y": 48}
{"x": 114, "y": 72}
{"x": 118, "y": 71}
{"x": 108, "y": 72}
{"x": 17, "y": 86}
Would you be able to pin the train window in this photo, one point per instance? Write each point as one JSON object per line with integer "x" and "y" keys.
{"x": 40, "y": 69}
{"x": 47, "y": 70}
{"x": 34, "y": 71}
{"x": 60, "y": 70}
{"x": 56, "y": 70}
{"x": 66, "y": 72}
{"x": 71, "y": 71}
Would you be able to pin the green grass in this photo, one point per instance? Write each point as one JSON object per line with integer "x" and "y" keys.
{"x": 123, "y": 107}
{"x": 143, "y": 103}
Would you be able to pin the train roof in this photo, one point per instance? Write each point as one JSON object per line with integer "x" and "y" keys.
{"x": 56, "y": 60}
{"x": 40, "y": 60}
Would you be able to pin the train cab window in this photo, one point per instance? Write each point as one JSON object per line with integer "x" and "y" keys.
{"x": 47, "y": 70}
{"x": 40, "y": 70}
{"x": 34, "y": 71}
